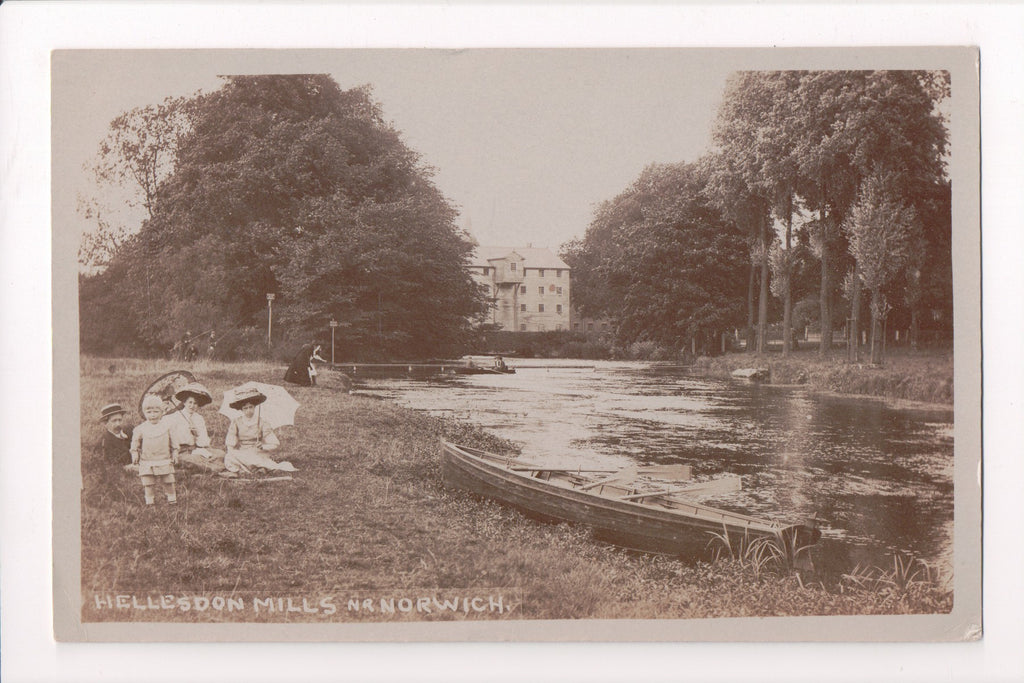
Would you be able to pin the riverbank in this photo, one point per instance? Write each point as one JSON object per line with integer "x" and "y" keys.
{"x": 925, "y": 376}
{"x": 367, "y": 513}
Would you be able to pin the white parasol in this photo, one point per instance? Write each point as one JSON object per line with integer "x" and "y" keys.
{"x": 279, "y": 408}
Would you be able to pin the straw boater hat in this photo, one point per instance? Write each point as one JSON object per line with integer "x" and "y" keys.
{"x": 196, "y": 391}
{"x": 108, "y": 411}
{"x": 253, "y": 396}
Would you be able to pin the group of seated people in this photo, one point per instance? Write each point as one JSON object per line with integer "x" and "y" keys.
{"x": 166, "y": 439}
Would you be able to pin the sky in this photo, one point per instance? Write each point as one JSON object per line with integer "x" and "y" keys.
{"x": 526, "y": 143}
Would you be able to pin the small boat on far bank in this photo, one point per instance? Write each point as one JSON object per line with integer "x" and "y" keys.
{"x": 752, "y": 374}
{"x": 663, "y": 521}
{"x": 482, "y": 370}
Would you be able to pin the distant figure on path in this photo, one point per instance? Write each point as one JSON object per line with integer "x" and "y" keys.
{"x": 302, "y": 371}
{"x": 117, "y": 439}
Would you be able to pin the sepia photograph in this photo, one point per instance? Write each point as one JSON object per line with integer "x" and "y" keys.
{"x": 421, "y": 344}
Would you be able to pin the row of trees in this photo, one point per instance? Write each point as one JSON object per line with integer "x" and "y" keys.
{"x": 275, "y": 184}
{"x": 820, "y": 183}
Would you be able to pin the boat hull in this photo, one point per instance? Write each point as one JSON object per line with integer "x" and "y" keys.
{"x": 687, "y": 530}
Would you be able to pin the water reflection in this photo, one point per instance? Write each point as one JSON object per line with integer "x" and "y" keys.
{"x": 879, "y": 476}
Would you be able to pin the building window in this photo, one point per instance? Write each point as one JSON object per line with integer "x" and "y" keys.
{"x": 559, "y": 291}
{"x": 558, "y": 309}
{"x": 558, "y": 326}
{"x": 522, "y": 327}
{"x": 540, "y": 308}
{"x": 540, "y": 290}
{"x": 512, "y": 266}
{"x": 522, "y": 307}
{"x": 576, "y": 326}
{"x": 522, "y": 289}
{"x": 590, "y": 327}
{"x": 541, "y": 273}
{"x": 558, "y": 272}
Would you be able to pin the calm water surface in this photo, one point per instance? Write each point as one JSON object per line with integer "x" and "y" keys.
{"x": 879, "y": 476}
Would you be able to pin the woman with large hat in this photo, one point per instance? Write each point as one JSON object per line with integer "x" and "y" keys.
{"x": 188, "y": 428}
{"x": 250, "y": 438}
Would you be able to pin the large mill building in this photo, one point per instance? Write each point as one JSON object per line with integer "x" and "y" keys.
{"x": 529, "y": 287}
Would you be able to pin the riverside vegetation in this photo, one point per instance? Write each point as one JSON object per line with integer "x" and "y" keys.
{"x": 925, "y": 376}
{"x": 368, "y": 511}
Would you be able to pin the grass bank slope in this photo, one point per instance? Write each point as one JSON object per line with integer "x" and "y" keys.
{"x": 367, "y": 513}
{"x": 925, "y": 376}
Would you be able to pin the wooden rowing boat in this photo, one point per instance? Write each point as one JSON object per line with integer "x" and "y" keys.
{"x": 665, "y": 520}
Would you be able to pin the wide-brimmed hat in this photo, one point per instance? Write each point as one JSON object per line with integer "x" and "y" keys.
{"x": 111, "y": 409}
{"x": 253, "y": 396}
{"x": 196, "y": 391}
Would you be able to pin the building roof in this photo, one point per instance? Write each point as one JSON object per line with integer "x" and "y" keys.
{"x": 533, "y": 257}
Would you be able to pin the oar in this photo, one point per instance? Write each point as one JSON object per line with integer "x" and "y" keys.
{"x": 723, "y": 485}
{"x": 630, "y": 472}
{"x": 674, "y": 472}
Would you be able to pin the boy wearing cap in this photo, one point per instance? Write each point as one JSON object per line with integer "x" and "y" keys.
{"x": 116, "y": 441}
{"x": 188, "y": 429}
{"x": 155, "y": 450}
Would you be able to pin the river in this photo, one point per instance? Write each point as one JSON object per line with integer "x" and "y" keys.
{"x": 879, "y": 476}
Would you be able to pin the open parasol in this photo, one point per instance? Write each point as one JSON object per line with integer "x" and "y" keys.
{"x": 279, "y": 408}
{"x": 166, "y": 386}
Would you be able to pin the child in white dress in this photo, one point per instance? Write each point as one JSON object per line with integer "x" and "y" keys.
{"x": 155, "y": 451}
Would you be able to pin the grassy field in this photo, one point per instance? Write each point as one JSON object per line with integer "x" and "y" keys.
{"x": 925, "y": 376}
{"x": 367, "y": 515}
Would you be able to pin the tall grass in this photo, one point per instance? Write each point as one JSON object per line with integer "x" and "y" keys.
{"x": 368, "y": 511}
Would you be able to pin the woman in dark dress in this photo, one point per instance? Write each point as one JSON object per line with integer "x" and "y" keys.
{"x": 301, "y": 371}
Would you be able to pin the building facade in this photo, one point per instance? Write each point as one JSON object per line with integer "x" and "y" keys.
{"x": 529, "y": 287}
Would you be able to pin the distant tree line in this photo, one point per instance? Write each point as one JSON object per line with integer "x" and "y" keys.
{"x": 274, "y": 184}
{"x": 826, "y": 194}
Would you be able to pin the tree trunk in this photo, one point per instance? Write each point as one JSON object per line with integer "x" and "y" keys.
{"x": 853, "y": 343}
{"x": 762, "y": 307}
{"x": 825, "y": 297}
{"x": 787, "y": 305}
{"x": 915, "y": 327}
{"x": 751, "y": 288}
{"x": 876, "y": 319}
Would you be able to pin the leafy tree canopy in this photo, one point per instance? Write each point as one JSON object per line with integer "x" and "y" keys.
{"x": 667, "y": 260}
{"x": 290, "y": 185}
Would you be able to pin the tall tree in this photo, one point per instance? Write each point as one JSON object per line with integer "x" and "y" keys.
{"x": 289, "y": 185}
{"x": 746, "y": 209}
{"x": 858, "y": 123}
{"x": 883, "y": 231}
{"x": 133, "y": 159}
{"x": 668, "y": 258}
{"x": 741, "y": 125}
